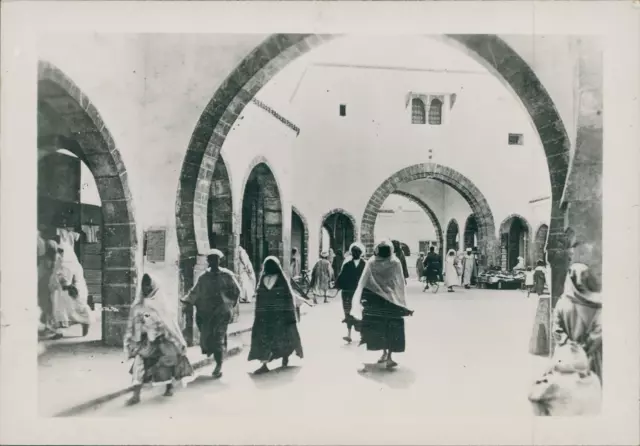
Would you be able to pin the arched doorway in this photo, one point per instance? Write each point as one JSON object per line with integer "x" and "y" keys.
{"x": 461, "y": 184}
{"x": 68, "y": 120}
{"x": 300, "y": 236}
{"x": 341, "y": 227}
{"x": 471, "y": 232}
{"x": 540, "y": 243}
{"x": 261, "y": 234}
{"x": 515, "y": 241}
{"x": 432, "y": 216}
{"x": 453, "y": 236}
{"x": 220, "y": 214}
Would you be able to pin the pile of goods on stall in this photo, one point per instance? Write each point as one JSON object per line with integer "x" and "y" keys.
{"x": 495, "y": 277}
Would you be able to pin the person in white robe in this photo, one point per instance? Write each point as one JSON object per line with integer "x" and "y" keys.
{"x": 451, "y": 277}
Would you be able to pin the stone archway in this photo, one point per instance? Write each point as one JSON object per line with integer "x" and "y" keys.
{"x": 470, "y": 232}
{"x": 453, "y": 235}
{"x": 300, "y": 236}
{"x": 220, "y": 229}
{"x": 342, "y": 229}
{"x": 515, "y": 241}
{"x": 67, "y": 119}
{"x": 461, "y": 184}
{"x": 540, "y": 243}
{"x": 278, "y": 50}
{"x": 432, "y": 216}
{"x": 261, "y": 232}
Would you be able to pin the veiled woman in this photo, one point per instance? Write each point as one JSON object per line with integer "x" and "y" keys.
{"x": 380, "y": 303}
{"x": 451, "y": 277}
{"x": 215, "y": 297}
{"x": 577, "y": 315}
{"x": 246, "y": 276}
{"x": 321, "y": 277}
{"x": 69, "y": 292}
{"x": 275, "y": 326}
{"x": 155, "y": 343}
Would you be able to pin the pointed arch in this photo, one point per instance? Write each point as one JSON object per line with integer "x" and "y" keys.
{"x": 453, "y": 236}
{"x": 513, "y": 243}
{"x": 304, "y": 242}
{"x": 335, "y": 219}
{"x": 435, "y": 112}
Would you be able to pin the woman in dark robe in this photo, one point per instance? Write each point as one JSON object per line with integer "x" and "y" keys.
{"x": 397, "y": 251}
{"x": 348, "y": 282}
{"x": 380, "y": 298}
{"x": 215, "y": 297}
{"x": 275, "y": 326}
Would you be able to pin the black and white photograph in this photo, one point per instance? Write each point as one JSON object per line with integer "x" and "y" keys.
{"x": 237, "y": 224}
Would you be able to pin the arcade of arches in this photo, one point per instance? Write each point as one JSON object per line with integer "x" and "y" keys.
{"x": 205, "y": 213}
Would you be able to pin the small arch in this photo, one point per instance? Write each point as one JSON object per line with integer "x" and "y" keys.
{"x": 299, "y": 224}
{"x": 471, "y": 232}
{"x": 432, "y": 216}
{"x": 453, "y": 235}
{"x": 342, "y": 229}
{"x": 435, "y": 112}
{"x": 540, "y": 243}
{"x": 418, "y": 111}
{"x": 67, "y": 119}
{"x": 220, "y": 213}
{"x": 261, "y": 233}
{"x": 515, "y": 241}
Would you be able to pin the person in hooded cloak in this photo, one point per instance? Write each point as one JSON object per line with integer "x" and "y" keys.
{"x": 469, "y": 268}
{"x": 451, "y": 278}
{"x": 348, "y": 280}
{"x": 215, "y": 295}
{"x": 246, "y": 276}
{"x": 155, "y": 343}
{"x": 321, "y": 277}
{"x": 380, "y": 304}
{"x": 275, "y": 327}
{"x": 577, "y": 315}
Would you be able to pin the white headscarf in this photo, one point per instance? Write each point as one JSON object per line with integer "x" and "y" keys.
{"x": 382, "y": 276}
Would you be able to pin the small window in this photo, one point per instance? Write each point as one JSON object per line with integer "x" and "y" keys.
{"x": 418, "y": 113}
{"x": 435, "y": 112}
{"x": 343, "y": 110}
{"x": 516, "y": 139}
{"x": 154, "y": 245}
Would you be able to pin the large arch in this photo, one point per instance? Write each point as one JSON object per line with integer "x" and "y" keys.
{"x": 331, "y": 220}
{"x": 432, "y": 216}
{"x": 461, "y": 184}
{"x": 453, "y": 235}
{"x": 506, "y": 229}
{"x": 67, "y": 119}
{"x": 297, "y": 218}
{"x": 278, "y": 50}
{"x": 261, "y": 223}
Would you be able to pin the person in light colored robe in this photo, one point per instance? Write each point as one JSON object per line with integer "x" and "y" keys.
{"x": 321, "y": 278}
{"x": 469, "y": 269}
{"x": 451, "y": 277}
{"x": 246, "y": 276}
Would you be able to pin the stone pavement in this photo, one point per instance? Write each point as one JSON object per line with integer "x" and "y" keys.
{"x": 466, "y": 355}
{"x": 75, "y": 372}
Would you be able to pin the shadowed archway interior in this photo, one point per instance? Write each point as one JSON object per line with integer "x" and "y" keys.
{"x": 453, "y": 236}
{"x": 300, "y": 236}
{"x": 342, "y": 229}
{"x": 515, "y": 241}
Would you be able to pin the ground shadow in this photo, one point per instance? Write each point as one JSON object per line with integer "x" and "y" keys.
{"x": 397, "y": 378}
{"x": 277, "y": 377}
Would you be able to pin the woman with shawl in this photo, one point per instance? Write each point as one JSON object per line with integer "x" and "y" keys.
{"x": 155, "y": 343}
{"x": 321, "y": 277}
{"x": 397, "y": 250}
{"x": 577, "y": 314}
{"x": 451, "y": 278}
{"x": 215, "y": 297}
{"x": 69, "y": 292}
{"x": 539, "y": 278}
{"x": 246, "y": 275}
{"x": 275, "y": 330}
{"x": 380, "y": 303}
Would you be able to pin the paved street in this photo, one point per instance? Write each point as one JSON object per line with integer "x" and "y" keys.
{"x": 466, "y": 355}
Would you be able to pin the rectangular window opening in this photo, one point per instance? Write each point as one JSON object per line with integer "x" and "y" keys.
{"x": 343, "y": 110}
{"x": 516, "y": 139}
